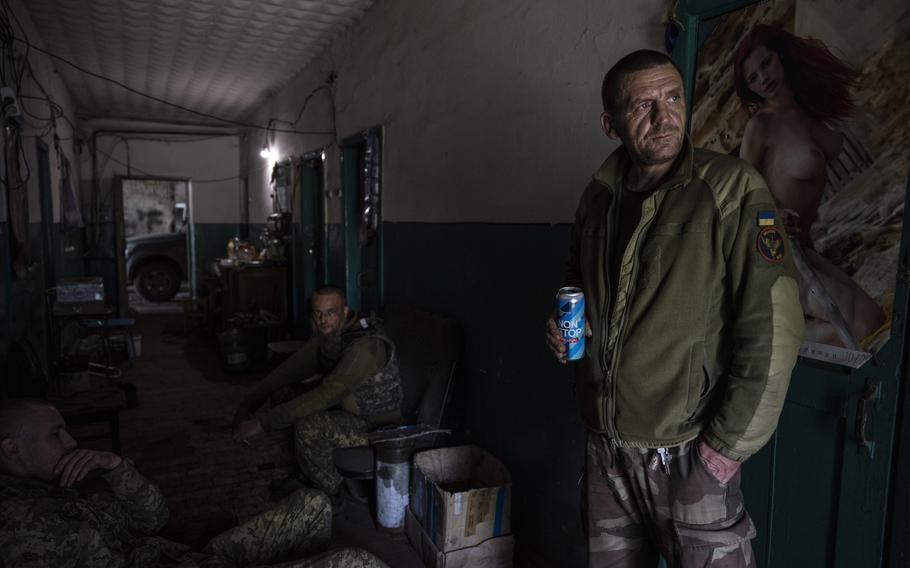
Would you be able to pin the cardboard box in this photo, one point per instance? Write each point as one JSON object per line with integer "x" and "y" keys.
{"x": 461, "y": 496}
{"x": 491, "y": 553}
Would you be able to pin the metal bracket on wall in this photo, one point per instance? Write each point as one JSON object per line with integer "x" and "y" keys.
{"x": 869, "y": 396}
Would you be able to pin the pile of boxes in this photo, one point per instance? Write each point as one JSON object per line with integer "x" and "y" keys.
{"x": 460, "y": 509}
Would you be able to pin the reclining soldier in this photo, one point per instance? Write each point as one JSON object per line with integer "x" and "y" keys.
{"x": 358, "y": 389}
{"x": 52, "y": 515}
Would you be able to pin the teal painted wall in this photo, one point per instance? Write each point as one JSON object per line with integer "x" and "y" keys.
{"x": 499, "y": 280}
{"x": 26, "y": 311}
{"x": 210, "y": 242}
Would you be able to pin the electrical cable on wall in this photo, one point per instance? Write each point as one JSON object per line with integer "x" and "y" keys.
{"x": 194, "y": 181}
{"x": 13, "y": 71}
{"x": 328, "y": 86}
{"x": 15, "y": 66}
{"x": 165, "y": 101}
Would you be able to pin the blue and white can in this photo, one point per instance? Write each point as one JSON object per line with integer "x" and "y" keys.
{"x": 570, "y": 308}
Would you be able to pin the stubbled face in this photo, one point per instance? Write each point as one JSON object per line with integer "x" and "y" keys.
{"x": 329, "y": 313}
{"x": 43, "y": 443}
{"x": 650, "y": 115}
{"x": 763, "y": 72}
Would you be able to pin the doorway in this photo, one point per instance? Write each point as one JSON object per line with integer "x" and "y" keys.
{"x": 154, "y": 234}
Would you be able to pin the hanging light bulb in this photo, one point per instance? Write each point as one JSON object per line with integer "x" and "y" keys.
{"x": 265, "y": 152}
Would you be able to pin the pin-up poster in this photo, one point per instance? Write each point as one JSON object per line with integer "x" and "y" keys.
{"x": 816, "y": 96}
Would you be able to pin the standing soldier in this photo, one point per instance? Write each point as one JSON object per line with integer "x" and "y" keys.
{"x": 694, "y": 328}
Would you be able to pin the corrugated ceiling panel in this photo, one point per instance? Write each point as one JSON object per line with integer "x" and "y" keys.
{"x": 214, "y": 56}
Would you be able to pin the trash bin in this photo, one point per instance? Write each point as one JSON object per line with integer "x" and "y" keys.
{"x": 393, "y": 475}
{"x": 234, "y": 352}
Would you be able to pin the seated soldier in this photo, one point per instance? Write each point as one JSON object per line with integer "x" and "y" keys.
{"x": 359, "y": 389}
{"x": 48, "y": 516}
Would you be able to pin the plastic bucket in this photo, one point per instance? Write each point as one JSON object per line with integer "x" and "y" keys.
{"x": 235, "y": 352}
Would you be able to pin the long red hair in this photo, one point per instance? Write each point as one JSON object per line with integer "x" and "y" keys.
{"x": 820, "y": 81}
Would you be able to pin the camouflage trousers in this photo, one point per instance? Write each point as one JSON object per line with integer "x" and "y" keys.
{"x": 640, "y": 503}
{"x": 315, "y": 439}
{"x": 292, "y": 533}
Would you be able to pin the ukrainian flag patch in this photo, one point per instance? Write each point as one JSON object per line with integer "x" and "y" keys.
{"x": 765, "y": 218}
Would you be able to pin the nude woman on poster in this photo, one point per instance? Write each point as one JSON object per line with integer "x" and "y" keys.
{"x": 794, "y": 88}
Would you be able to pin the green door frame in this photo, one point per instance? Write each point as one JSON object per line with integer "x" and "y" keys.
{"x": 48, "y": 239}
{"x": 309, "y": 266}
{"x": 5, "y": 269}
{"x": 360, "y": 272}
{"x": 350, "y": 190}
{"x": 866, "y": 398}
{"x": 898, "y": 522}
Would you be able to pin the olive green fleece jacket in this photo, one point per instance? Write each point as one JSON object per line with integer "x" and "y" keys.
{"x": 360, "y": 360}
{"x": 706, "y": 322}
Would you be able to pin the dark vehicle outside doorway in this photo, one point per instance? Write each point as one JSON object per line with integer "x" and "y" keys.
{"x": 156, "y": 264}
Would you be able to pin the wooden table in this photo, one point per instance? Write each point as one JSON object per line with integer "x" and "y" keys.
{"x": 249, "y": 289}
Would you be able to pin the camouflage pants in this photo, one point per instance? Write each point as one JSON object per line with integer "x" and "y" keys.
{"x": 298, "y": 526}
{"x": 317, "y": 436}
{"x": 637, "y": 508}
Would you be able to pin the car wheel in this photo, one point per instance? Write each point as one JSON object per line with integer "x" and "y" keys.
{"x": 157, "y": 281}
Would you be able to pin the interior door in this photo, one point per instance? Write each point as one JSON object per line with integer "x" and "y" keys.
{"x": 309, "y": 242}
{"x": 362, "y": 194}
{"x": 819, "y": 491}
{"x": 48, "y": 233}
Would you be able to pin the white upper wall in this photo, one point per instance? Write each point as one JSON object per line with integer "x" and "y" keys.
{"x": 209, "y": 161}
{"x": 490, "y": 109}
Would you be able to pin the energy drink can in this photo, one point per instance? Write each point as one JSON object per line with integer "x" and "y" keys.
{"x": 570, "y": 308}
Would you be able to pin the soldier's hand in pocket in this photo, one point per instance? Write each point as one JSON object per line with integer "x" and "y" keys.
{"x": 721, "y": 467}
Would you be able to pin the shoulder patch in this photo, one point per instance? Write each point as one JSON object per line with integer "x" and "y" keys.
{"x": 770, "y": 245}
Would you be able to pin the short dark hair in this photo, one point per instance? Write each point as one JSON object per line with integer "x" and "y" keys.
{"x": 15, "y": 415}
{"x": 329, "y": 289}
{"x": 635, "y": 61}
